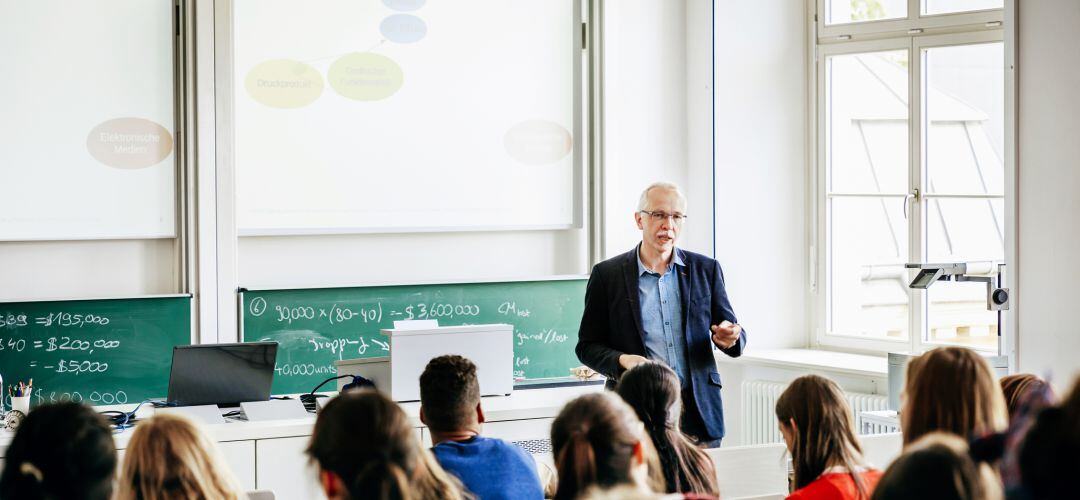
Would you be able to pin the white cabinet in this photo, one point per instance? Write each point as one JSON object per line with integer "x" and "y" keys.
{"x": 240, "y": 457}
{"x": 282, "y": 467}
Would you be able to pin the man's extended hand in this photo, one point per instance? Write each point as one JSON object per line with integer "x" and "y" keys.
{"x": 726, "y": 334}
{"x": 628, "y": 361}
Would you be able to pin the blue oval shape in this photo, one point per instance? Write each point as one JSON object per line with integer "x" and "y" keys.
{"x": 403, "y": 28}
{"x": 404, "y": 5}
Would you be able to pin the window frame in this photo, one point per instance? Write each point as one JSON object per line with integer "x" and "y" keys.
{"x": 914, "y": 34}
{"x": 915, "y": 20}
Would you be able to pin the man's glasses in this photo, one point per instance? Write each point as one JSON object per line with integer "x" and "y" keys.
{"x": 663, "y": 216}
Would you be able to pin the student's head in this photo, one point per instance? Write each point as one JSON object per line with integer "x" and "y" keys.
{"x": 1021, "y": 388}
{"x": 1050, "y": 453}
{"x": 937, "y": 466}
{"x": 817, "y": 425}
{"x": 652, "y": 390}
{"x": 364, "y": 447}
{"x": 170, "y": 457}
{"x": 61, "y": 451}
{"x": 598, "y": 441}
{"x": 450, "y": 395}
{"x": 951, "y": 389}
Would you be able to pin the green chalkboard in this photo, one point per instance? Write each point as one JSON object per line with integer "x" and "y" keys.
{"x": 316, "y": 327}
{"x": 95, "y": 351}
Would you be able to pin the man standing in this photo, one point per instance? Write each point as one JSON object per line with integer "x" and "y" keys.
{"x": 657, "y": 302}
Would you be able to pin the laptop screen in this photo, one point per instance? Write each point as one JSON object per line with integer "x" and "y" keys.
{"x": 222, "y": 374}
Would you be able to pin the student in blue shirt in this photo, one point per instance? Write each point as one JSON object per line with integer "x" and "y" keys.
{"x": 450, "y": 407}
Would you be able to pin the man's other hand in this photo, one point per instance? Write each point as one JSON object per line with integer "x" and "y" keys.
{"x": 628, "y": 361}
{"x": 726, "y": 334}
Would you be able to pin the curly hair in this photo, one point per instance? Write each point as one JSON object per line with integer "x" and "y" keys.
{"x": 449, "y": 392}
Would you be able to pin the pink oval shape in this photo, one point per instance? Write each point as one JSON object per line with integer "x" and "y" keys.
{"x": 538, "y": 142}
{"x": 129, "y": 143}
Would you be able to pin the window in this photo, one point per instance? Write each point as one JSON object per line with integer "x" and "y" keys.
{"x": 910, "y": 147}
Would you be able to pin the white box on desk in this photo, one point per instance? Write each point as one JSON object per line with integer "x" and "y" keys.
{"x": 490, "y": 347}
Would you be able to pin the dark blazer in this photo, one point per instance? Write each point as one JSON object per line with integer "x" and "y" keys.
{"x": 611, "y": 324}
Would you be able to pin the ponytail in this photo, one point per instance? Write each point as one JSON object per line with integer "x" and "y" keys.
{"x": 653, "y": 390}
{"x": 576, "y": 464}
{"x": 669, "y": 457}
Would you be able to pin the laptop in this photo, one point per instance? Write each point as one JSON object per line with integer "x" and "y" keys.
{"x": 221, "y": 374}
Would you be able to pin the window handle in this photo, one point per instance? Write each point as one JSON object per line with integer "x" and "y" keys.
{"x": 914, "y": 195}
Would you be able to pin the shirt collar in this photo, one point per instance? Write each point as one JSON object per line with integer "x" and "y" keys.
{"x": 676, "y": 261}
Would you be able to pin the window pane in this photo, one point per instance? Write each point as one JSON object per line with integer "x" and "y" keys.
{"x": 965, "y": 103}
{"x": 952, "y": 6}
{"x": 867, "y": 129}
{"x": 957, "y": 315}
{"x": 965, "y": 230}
{"x": 867, "y": 288}
{"x": 854, "y": 11}
{"x": 972, "y": 231}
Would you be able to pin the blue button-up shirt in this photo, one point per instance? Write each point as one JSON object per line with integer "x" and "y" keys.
{"x": 661, "y": 316}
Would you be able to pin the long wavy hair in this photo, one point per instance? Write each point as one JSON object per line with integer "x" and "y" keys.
{"x": 366, "y": 440}
{"x": 824, "y": 431}
{"x": 170, "y": 458}
{"x": 652, "y": 390}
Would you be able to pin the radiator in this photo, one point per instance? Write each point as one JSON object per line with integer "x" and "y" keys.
{"x": 758, "y": 403}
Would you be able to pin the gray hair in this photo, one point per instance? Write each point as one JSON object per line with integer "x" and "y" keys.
{"x": 644, "y": 200}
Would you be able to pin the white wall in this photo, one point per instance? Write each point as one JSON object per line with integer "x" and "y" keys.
{"x": 298, "y": 261}
{"x": 83, "y": 269}
{"x": 658, "y": 114}
{"x": 761, "y": 167}
{"x": 1048, "y": 172}
{"x": 645, "y": 77}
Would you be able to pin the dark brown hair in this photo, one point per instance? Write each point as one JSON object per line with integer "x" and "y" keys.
{"x": 824, "y": 432}
{"x": 1017, "y": 389}
{"x": 937, "y": 466}
{"x": 365, "y": 439}
{"x": 449, "y": 393}
{"x": 62, "y": 450}
{"x": 951, "y": 389}
{"x": 652, "y": 390}
{"x": 1050, "y": 454}
{"x": 593, "y": 441}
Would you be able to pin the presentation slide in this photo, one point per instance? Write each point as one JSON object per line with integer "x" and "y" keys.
{"x": 86, "y": 141}
{"x": 406, "y": 115}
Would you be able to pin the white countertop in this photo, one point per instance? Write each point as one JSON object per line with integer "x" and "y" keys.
{"x": 519, "y": 405}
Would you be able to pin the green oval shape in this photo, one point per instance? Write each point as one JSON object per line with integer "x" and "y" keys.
{"x": 284, "y": 83}
{"x": 365, "y": 76}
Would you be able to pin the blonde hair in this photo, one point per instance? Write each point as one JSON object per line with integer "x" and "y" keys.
{"x": 643, "y": 201}
{"x": 170, "y": 458}
{"x": 951, "y": 389}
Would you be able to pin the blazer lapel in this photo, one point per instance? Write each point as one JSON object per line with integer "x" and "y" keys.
{"x": 630, "y": 271}
{"x": 685, "y": 286}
